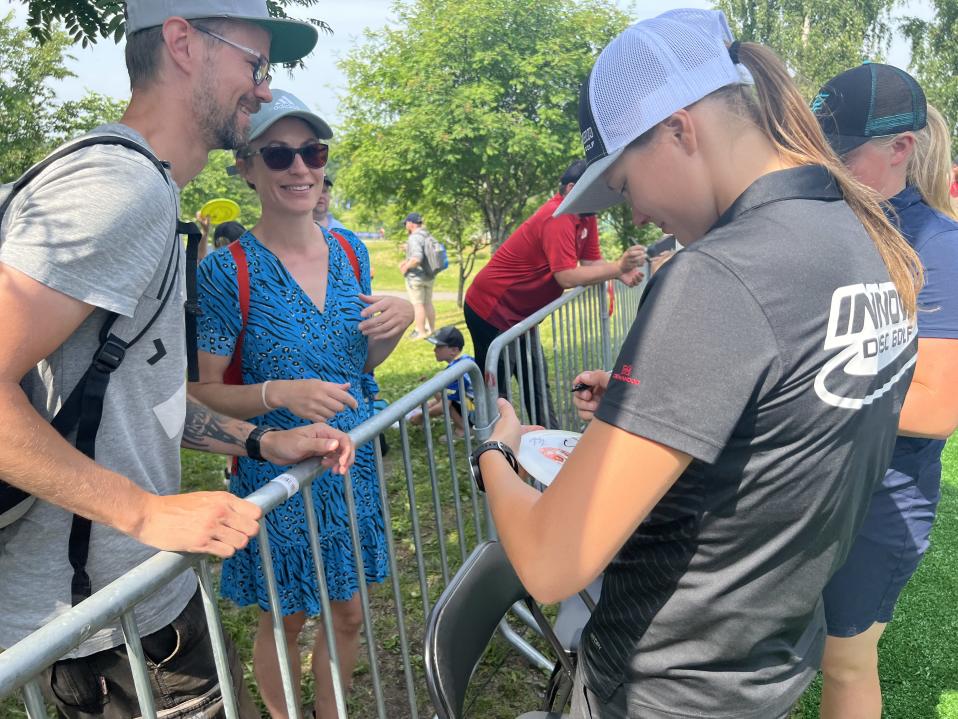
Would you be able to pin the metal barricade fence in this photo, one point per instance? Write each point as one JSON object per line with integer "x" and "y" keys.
{"x": 439, "y": 519}
{"x": 533, "y": 363}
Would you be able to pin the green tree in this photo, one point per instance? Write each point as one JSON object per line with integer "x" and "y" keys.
{"x": 470, "y": 106}
{"x": 817, "y": 40}
{"x": 87, "y": 21}
{"x": 934, "y": 58}
{"x": 26, "y": 98}
{"x": 214, "y": 182}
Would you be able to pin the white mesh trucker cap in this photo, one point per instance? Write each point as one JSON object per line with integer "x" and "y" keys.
{"x": 652, "y": 69}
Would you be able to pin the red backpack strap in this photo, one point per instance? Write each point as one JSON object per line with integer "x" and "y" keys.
{"x": 350, "y": 253}
{"x": 234, "y": 372}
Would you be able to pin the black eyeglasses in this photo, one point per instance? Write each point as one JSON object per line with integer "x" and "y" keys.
{"x": 260, "y": 69}
{"x": 281, "y": 157}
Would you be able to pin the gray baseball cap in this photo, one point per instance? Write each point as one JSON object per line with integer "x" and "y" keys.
{"x": 292, "y": 40}
{"x": 286, "y": 104}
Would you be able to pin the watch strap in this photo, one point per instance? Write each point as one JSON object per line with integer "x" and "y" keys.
{"x": 491, "y": 445}
{"x": 253, "y": 442}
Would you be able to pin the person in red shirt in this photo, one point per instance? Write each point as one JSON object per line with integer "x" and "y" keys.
{"x": 544, "y": 257}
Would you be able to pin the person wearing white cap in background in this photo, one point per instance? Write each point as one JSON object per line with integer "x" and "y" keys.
{"x": 752, "y": 406}
{"x": 198, "y": 70}
{"x": 311, "y": 336}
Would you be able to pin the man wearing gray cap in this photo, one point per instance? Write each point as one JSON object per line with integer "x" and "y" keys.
{"x": 89, "y": 254}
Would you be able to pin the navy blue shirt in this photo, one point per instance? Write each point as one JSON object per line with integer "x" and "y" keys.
{"x": 935, "y": 238}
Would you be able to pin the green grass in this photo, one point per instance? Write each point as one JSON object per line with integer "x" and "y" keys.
{"x": 385, "y": 256}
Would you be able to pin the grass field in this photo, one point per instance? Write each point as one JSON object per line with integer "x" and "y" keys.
{"x": 918, "y": 653}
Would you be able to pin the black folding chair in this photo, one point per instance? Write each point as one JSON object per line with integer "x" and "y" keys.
{"x": 463, "y": 622}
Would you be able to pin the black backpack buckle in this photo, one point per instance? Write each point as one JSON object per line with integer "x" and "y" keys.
{"x": 110, "y": 354}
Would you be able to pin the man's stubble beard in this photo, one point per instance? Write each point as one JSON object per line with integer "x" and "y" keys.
{"x": 219, "y": 125}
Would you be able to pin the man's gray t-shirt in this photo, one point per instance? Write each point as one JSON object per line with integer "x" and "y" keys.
{"x": 98, "y": 225}
{"x": 783, "y": 379}
{"x": 416, "y": 250}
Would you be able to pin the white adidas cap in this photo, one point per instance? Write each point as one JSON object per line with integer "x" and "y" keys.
{"x": 652, "y": 69}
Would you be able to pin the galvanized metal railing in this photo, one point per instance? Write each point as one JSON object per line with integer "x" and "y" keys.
{"x": 579, "y": 334}
{"x": 584, "y": 329}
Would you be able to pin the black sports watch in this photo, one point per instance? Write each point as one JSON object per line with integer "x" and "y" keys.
{"x": 252, "y": 442}
{"x": 485, "y": 447}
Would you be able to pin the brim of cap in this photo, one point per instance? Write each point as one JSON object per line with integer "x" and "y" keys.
{"x": 590, "y": 194}
{"x": 323, "y": 131}
{"x": 291, "y": 40}
{"x": 436, "y": 342}
{"x": 842, "y": 144}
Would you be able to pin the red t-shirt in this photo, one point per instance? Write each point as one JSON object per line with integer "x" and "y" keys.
{"x": 519, "y": 278}
{"x": 954, "y": 188}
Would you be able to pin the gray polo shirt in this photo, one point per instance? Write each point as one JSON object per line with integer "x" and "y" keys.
{"x": 98, "y": 226}
{"x": 775, "y": 353}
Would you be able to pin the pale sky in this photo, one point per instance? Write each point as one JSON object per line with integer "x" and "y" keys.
{"x": 101, "y": 66}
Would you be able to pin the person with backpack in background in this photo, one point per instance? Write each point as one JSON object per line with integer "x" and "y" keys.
{"x": 420, "y": 277}
{"x": 290, "y": 334}
{"x": 99, "y": 456}
{"x": 876, "y": 118}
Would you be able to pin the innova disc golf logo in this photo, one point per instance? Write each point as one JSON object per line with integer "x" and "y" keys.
{"x": 870, "y": 327}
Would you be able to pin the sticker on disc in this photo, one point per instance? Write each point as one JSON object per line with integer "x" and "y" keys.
{"x": 543, "y": 452}
{"x": 220, "y": 210}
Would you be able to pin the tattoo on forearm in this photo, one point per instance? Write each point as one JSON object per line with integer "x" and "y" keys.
{"x": 204, "y": 427}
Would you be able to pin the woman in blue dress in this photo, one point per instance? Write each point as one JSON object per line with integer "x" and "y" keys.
{"x": 312, "y": 336}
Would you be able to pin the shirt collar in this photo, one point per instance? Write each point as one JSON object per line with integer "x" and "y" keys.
{"x": 808, "y": 182}
{"x": 905, "y": 199}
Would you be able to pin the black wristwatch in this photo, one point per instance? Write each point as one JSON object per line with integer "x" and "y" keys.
{"x": 252, "y": 442}
{"x": 485, "y": 447}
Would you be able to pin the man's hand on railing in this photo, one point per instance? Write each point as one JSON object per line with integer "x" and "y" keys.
{"x": 315, "y": 440}
{"x": 200, "y": 522}
{"x": 587, "y": 400}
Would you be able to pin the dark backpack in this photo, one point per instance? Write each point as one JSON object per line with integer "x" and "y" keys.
{"x": 435, "y": 257}
{"x": 83, "y": 408}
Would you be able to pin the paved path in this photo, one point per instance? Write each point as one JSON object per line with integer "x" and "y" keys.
{"x": 451, "y": 296}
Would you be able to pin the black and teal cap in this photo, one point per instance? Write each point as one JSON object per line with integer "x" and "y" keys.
{"x": 869, "y": 101}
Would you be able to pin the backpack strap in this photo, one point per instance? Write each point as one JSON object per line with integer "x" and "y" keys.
{"x": 350, "y": 254}
{"x": 234, "y": 372}
{"x": 192, "y": 307}
{"x": 27, "y": 177}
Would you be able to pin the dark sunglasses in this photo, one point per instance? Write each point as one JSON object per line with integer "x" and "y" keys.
{"x": 282, "y": 157}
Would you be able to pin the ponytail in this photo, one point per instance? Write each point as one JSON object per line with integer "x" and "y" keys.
{"x": 776, "y": 107}
{"x": 929, "y": 167}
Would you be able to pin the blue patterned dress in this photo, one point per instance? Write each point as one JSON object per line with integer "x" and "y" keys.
{"x": 287, "y": 337}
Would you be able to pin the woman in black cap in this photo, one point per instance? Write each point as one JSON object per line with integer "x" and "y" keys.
{"x": 754, "y": 400}
{"x": 875, "y": 116}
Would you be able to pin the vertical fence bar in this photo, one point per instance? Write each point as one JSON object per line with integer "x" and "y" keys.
{"x": 436, "y": 503}
{"x": 312, "y": 529}
{"x": 364, "y": 592}
{"x": 562, "y": 396}
{"x": 540, "y": 370}
{"x": 507, "y": 358}
{"x": 141, "y": 675}
{"x": 33, "y": 699}
{"x": 397, "y": 592}
{"x": 279, "y": 633}
{"x": 564, "y": 356}
{"x": 531, "y": 379}
{"x": 217, "y": 640}
{"x": 480, "y": 391}
{"x": 414, "y": 517}
{"x": 523, "y": 417}
{"x": 606, "y": 332}
{"x": 453, "y": 472}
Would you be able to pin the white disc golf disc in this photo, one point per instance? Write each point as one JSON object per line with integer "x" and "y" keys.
{"x": 542, "y": 453}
